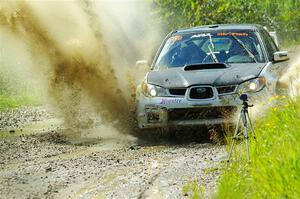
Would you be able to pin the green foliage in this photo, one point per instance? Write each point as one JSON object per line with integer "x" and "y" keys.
{"x": 14, "y": 95}
{"x": 280, "y": 15}
{"x": 274, "y": 171}
{"x": 15, "y": 101}
{"x": 4, "y": 84}
{"x": 194, "y": 190}
{"x": 15, "y": 92}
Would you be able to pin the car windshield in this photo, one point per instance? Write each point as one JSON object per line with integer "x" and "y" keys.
{"x": 223, "y": 47}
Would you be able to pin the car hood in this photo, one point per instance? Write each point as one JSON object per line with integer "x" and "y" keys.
{"x": 231, "y": 75}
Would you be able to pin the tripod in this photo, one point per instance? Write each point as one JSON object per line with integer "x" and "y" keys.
{"x": 246, "y": 122}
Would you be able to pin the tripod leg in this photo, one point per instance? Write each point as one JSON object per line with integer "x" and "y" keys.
{"x": 246, "y": 134}
{"x": 251, "y": 126}
{"x": 235, "y": 135}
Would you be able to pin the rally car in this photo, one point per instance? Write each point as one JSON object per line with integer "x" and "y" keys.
{"x": 199, "y": 73}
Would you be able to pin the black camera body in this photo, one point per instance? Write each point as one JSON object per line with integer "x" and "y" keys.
{"x": 244, "y": 97}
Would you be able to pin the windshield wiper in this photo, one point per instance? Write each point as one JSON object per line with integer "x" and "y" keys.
{"x": 245, "y": 47}
{"x": 212, "y": 54}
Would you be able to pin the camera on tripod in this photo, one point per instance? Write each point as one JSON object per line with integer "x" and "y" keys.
{"x": 244, "y": 97}
{"x": 245, "y": 121}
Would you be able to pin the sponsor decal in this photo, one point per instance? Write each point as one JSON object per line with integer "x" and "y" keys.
{"x": 232, "y": 34}
{"x": 201, "y": 35}
{"x": 171, "y": 101}
{"x": 175, "y": 38}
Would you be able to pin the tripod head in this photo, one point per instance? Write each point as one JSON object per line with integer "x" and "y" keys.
{"x": 244, "y": 98}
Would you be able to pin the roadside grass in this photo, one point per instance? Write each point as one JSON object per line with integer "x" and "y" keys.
{"x": 193, "y": 190}
{"x": 274, "y": 171}
{"x": 10, "y": 101}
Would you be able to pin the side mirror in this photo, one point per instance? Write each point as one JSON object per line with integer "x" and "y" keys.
{"x": 142, "y": 64}
{"x": 280, "y": 56}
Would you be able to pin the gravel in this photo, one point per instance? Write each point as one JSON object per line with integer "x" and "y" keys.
{"x": 49, "y": 165}
{"x": 12, "y": 119}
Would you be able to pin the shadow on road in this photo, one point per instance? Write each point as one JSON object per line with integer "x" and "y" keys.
{"x": 181, "y": 136}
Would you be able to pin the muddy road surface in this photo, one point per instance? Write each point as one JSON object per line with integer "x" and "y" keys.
{"x": 37, "y": 160}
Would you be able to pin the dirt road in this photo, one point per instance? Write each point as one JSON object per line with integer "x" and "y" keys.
{"x": 37, "y": 161}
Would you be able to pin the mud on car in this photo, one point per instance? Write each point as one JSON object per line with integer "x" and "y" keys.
{"x": 198, "y": 74}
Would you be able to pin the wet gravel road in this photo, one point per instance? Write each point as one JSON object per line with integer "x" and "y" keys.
{"x": 46, "y": 164}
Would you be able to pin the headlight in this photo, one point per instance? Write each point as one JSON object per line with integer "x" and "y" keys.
{"x": 153, "y": 91}
{"x": 253, "y": 85}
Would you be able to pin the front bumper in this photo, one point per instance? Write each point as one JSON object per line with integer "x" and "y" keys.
{"x": 164, "y": 112}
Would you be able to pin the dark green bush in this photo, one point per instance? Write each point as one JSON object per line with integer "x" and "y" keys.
{"x": 282, "y": 16}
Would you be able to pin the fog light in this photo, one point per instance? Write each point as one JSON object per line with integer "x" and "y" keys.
{"x": 153, "y": 117}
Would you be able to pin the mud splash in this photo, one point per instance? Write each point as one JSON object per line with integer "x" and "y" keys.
{"x": 66, "y": 42}
{"x": 292, "y": 77}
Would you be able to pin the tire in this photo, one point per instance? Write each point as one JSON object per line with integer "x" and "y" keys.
{"x": 155, "y": 134}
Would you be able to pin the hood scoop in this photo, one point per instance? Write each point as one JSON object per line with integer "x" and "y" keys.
{"x": 205, "y": 66}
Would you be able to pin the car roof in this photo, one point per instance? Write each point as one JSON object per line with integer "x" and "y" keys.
{"x": 220, "y": 27}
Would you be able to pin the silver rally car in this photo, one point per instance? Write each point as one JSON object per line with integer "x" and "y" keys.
{"x": 199, "y": 73}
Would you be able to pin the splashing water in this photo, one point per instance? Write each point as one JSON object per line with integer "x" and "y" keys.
{"x": 81, "y": 50}
{"x": 292, "y": 76}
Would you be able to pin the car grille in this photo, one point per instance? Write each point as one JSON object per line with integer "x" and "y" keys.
{"x": 201, "y": 113}
{"x": 226, "y": 89}
{"x": 177, "y": 91}
{"x": 201, "y": 93}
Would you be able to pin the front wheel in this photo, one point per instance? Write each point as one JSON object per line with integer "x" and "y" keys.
{"x": 154, "y": 134}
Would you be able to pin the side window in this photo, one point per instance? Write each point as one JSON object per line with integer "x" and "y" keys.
{"x": 270, "y": 45}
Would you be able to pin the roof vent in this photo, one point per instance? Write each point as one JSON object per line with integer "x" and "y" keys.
{"x": 214, "y": 26}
